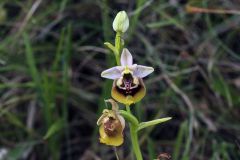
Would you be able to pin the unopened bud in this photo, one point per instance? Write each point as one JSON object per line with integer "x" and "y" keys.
{"x": 121, "y": 22}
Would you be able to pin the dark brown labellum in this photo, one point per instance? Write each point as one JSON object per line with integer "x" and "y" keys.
{"x": 112, "y": 127}
{"x": 128, "y": 87}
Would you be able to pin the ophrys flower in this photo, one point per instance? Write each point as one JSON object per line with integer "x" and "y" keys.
{"x": 128, "y": 86}
{"x": 111, "y": 125}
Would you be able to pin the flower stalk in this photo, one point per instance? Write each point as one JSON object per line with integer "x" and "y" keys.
{"x": 133, "y": 122}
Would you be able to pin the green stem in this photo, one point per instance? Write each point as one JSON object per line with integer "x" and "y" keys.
{"x": 134, "y": 137}
{"x": 129, "y": 117}
{"x": 118, "y": 46}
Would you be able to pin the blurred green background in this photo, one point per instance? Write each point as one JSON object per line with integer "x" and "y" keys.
{"x": 51, "y": 92}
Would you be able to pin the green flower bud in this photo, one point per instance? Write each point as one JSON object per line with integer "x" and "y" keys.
{"x": 121, "y": 22}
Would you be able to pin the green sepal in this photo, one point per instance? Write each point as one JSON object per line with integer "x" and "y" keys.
{"x": 153, "y": 122}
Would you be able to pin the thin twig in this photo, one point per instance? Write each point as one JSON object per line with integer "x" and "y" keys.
{"x": 174, "y": 74}
{"x": 30, "y": 14}
{"x": 92, "y": 48}
{"x": 145, "y": 5}
{"x": 116, "y": 154}
{"x": 191, "y": 9}
{"x": 179, "y": 92}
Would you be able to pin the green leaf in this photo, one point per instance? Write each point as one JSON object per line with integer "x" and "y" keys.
{"x": 18, "y": 151}
{"x": 221, "y": 86}
{"x": 54, "y": 128}
{"x": 179, "y": 141}
{"x": 151, "y": 148}
{"x": 31, "y": 61}
{"x": 153, "y": 122}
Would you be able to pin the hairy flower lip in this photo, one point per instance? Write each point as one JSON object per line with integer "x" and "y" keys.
{"x": 128, "y": 97}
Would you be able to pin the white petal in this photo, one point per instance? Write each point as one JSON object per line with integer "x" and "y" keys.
{"x": 142, "y": 71}
{"x": 132, "y": 67}
{"x": 112, "y": 73}
{"x": 126, "y": 58}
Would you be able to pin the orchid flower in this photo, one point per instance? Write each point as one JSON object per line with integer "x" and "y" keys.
{"x": 128, "y": 86}
{"x": 111, "y": 125}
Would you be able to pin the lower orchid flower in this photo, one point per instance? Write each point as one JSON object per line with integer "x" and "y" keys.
{"x": 128, "y": 86}
{"x": 111, "y": 125}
